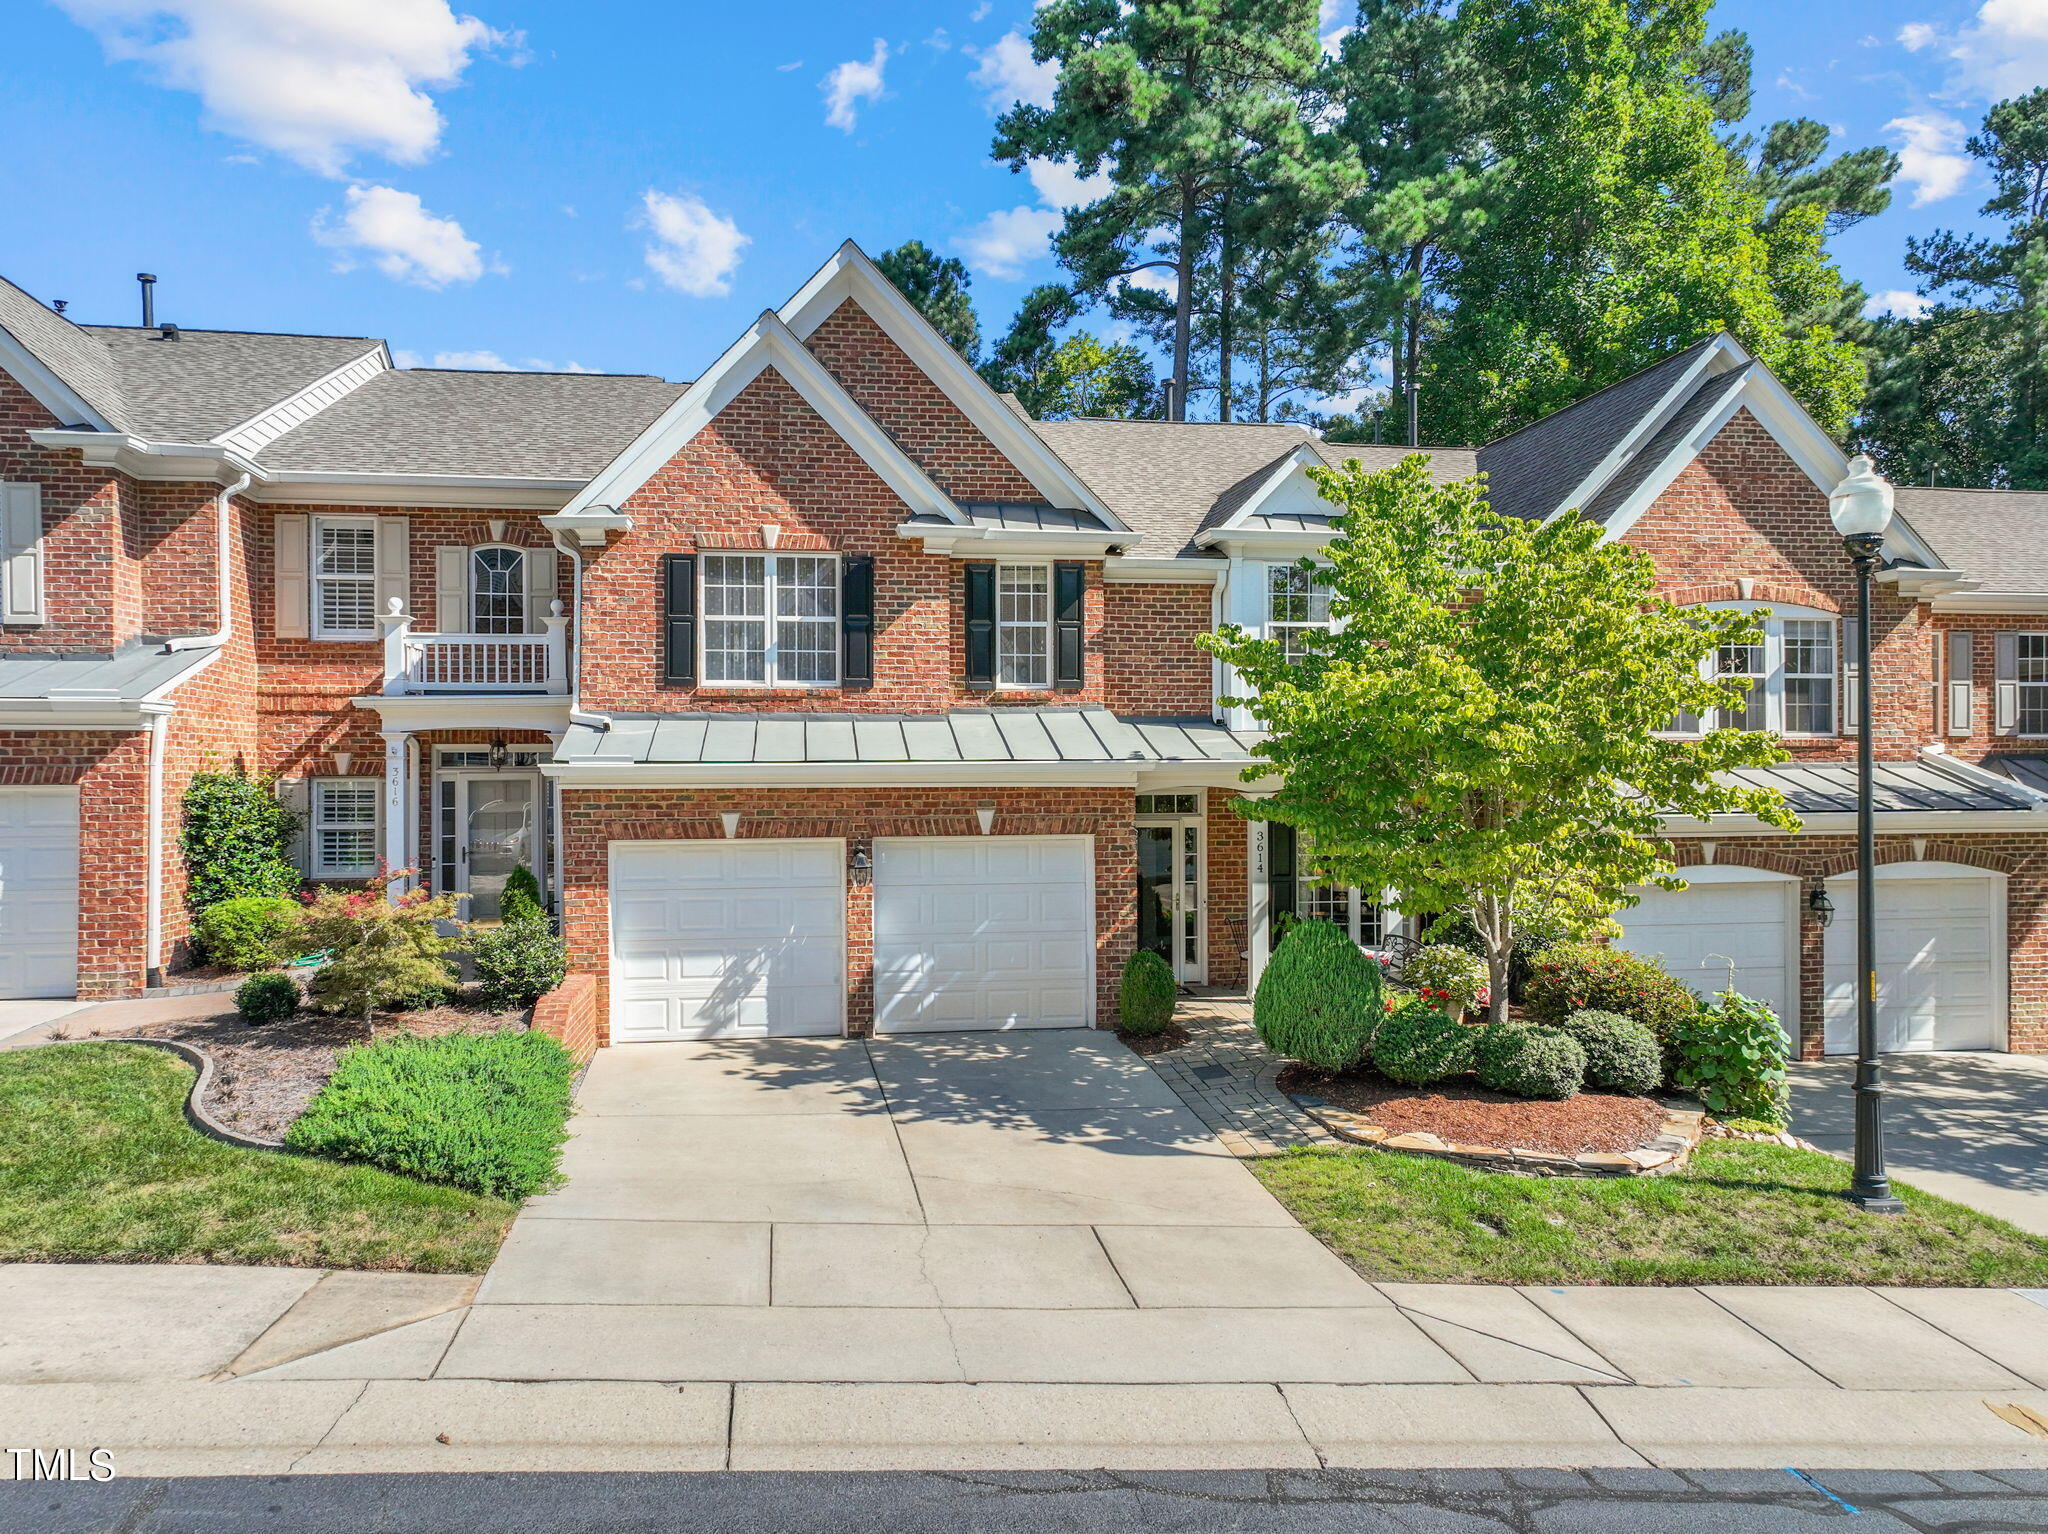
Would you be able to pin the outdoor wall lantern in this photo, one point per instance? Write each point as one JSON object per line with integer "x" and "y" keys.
{"x": 500, "y": 754}
{"x": 859, "y": 868}
{"x": 1823, "y": 909}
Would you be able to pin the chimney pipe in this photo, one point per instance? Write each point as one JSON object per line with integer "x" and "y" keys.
{"x": 148, "y": 281}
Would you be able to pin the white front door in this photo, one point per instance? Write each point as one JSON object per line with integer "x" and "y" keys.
{"x": 39, "y": 892}
{"x": 490, "y": 825}
{"x": 978, "y": 932}
{"x": 1170, "y": 907}
{"x": 1727, "y": 923}
{"x": 1941, "y": 958}
{"x": 727, "y": 939}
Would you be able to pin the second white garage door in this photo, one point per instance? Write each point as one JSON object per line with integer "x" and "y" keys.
{"x": 984, "y": 932}
{"x": 39, "y": 892}
{"x": 1725, "y": 915}
{"x": 1941, "y": 959}
{"x": 727, "y": 939}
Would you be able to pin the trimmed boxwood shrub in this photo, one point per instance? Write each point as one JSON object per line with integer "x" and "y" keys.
{"x": 520, "y": 900}
{"x": 1575, "y": 977}
{"x": 1320, "y": 1000}
{"x": 1417, "y": 1044}
{"x": 268, "y": 998}
{"x": 251, "y": 931}
{"x": 482, "y": 1111}
{"x": 236, "y": 838}
{"x": 1529, "y": 1062}
{"x": 518, "y": 962}
{"x": 1621, "y": 1053}
{"x": 1144, "y": 1001}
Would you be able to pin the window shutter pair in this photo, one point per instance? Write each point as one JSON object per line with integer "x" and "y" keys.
{"x": 21, "y": 554}
{"x": 1962, "y": 682}
{"x": 1069, "y": 591}
{"x": 292, "y": 573}
{"x": 452, "y": 574}
{"x": 856, "y": 620}
{"x": 2005, "y": 687}
{"x": 1283, "y": 866}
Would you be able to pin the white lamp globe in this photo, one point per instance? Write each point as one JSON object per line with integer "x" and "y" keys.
{"x": 1861, "y": 505}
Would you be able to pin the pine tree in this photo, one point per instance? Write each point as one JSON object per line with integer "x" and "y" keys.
{"x": 938, "y": 286}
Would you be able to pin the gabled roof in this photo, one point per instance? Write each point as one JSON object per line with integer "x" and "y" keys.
{"x": 1707, "y": 396}
{"x": 210, "y": 381}
{"x": 69, "y": 370}
{"x": 430, "y": 421}
{"x": 1998, "y": 537}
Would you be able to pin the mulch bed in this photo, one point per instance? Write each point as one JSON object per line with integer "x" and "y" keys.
{"x": 1171, "y": 1038}
{"x": 1469, "y": 1114}
{"x": 264, "y": 1077}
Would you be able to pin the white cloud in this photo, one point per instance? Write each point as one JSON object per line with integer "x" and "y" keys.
{"x": 693, "y": 249}
{"x": 394, "y": 232}
{"x": 1931, "y": 160}
{"x": 318, "y": 81}
{"x": 854, "y": 81}
{"x": 1999, "y": 53}
{"x": 783, "y": 69}
{"x": 980, "y": 12}
{"x": 1004, "y": 243}
{"x": 1153, "y": 279}
{"x": 1060, "y": 185}
{"x": 484, "y": 360}
{"x": 1907, "y": 306}
{"x": 1007, "y": 74}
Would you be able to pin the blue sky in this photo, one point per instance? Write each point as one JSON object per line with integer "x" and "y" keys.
{"x": 622, "y": 184}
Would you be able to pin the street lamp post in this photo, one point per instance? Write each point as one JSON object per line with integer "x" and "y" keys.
{"x": 1861, "y": 507}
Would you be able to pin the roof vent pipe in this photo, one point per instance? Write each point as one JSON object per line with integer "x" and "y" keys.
{"x": 60, "y": 304}
{"x": 170, "y": 332}
{"x": 148, "y": 281}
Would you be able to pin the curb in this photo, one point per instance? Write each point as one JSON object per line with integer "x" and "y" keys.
{"x": 195, "y": 1111}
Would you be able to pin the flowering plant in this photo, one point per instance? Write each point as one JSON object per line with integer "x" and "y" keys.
{"x": 1448, "y": 978}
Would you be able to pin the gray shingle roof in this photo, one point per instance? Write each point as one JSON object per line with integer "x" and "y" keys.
{"x": 1709, "y": 393}
{"x": 1531, "y": 471}
{"x": 521, "y": 425}
{"x": 964, "y": 735}
{"x": 129, "y": 674}
{"x": 1998, "y": 536}
{"x": 74, "y": 355}
{"x": 210, "y": 381}
{"x": 1829, "y": 788}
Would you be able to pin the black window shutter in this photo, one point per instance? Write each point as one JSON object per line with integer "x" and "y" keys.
{"x": 1068, "y": 584}
{"x": 679, "y": 618}
{"x": 857, "y": 621}
{"x": 1281, "y": 866}
{"x": 981, "y": 625}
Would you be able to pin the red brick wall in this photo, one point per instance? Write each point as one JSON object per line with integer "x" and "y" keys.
{"x": 769, "y": 459}
{"x": 1229, "y": 849}
{"x": 569, "y": 1014}
{"x": 1150, "y": 663}
{"x": 1810, "y": 858}
{"x": 595, "y": 818}
{"x": 914, "y": 410}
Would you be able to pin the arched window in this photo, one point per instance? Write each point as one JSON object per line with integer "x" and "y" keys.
{"x": 1793, "y": 674}
{"x": 497, "y": 590}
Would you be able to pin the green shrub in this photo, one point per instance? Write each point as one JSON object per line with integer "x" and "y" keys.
{"x": 521, "y": 898}
{"x": 1620, "y": 1052}
{"x": 518, "y": 962}
{"x": 251, "y": 931}
{"x": 1320, "y": 1000}
{"x": 1529, "y": 1062}
{"x": 1144, "y": 1001}
{"x": 1575, "y": 977}
{"x": 1417, "y": 1044}
{"x": 267, "y": 998}
{"x": 1446, "y": 976}
{"x": 1732, "y": 1058}
{"x": 482, "y": 1111}
{"x": 236, "y": 838}
{"x": 381, "y": 953}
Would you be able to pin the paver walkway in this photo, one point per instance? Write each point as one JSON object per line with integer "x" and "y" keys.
{"x": 1228, "y": 1078}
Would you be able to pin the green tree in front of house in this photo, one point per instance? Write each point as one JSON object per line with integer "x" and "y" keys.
{"x": 236, "y": 838}
{"x": 1482, "y": 726}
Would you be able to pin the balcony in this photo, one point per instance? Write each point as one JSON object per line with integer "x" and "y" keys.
{"x": 416, "y": 664}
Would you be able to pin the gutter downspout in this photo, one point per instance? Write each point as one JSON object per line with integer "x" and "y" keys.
{"x": 153, "y": 876}
{"x": 223, "y": 515}
{"x": 570, "y": 547}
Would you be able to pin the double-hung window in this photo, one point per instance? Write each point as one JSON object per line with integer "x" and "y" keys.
{"x": 343, "y": 832}
{"x": 1023, "y": 625}
{"x": 345, "y": 578}
{"x": 2031, "y": 674}
{"x": 1791, "y": 674}
{"x": 1352, "y": 910}
{"x": 771, "y": 620}
{"x": 1296, "y": 606}
{"x": 1808, "y": 646}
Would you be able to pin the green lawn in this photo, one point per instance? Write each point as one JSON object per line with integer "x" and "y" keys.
{"x": 97, "y": 1164}
{"x": 1742, "y": 1213}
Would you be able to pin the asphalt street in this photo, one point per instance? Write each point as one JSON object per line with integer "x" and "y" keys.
{"x": 1083, "y": 1502}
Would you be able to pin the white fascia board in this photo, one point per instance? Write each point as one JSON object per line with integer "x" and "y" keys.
{"x": 1924, "y": 584}
{"x": 1267, "y": 544}
{"x": 2017, "y": 603}
{"x": 50, "y": 391}
{"x": 150, "y": 460}
{"x": 1297, "y": 463}
{"x": 613, "y": 774}
{"x": 1651, "y": 422}
{"x": 767, "y": 343}
{"x": 1120, "y": 569}
{"x": 48, "y": 714}
{"x": 851, "y": 274}
{"x": 1889, "y": 822}
{"x": 471, "y": 711}
{"x": 341, "y": 487}
{"x": 1018, "y": 543}
{"x": 273, "y": 421}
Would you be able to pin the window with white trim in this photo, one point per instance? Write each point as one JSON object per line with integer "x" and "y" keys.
{"x": 1366, "y": 921}
{"x": 1023, "y": 625}
{"x": 345, "y": 578}
{"x": 1793, "y": 674}
{"x": 1296, "y": 605}
{"x": 497, "y": 589}
{"x": 771, "y": 620}
{"x": 2030, "y": 659}
{"x": 342, "y": 832}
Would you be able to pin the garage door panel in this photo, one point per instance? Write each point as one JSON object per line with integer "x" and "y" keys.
{"x": 1695, "y": 933}
{"x": 38, "y": 892}
{"x": 1941, "y": 958}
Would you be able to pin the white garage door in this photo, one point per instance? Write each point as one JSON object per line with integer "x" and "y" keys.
{"x": 1941, "y": 958}
{"x": 984, "y": 932}
{"x": 38, "y": 892}
{"x": 727, "y": 939}
{"x": 1724, "y": 915}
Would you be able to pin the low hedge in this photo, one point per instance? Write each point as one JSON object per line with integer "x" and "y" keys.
{"x": 1417, "y": 1045}
{"x": 1145, "y": 997}
{"x": 251, "y": 931}
{"x": 1621, "y": 1053}
{"x": 486, "y": 1112}
{"x": 1575, "y": 977}
{"x": 1529, "y": 1062}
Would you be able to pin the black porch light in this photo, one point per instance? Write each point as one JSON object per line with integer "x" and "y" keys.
{"x": 859, "y": 867}
{"x": 500, "y": 754}
{"x": 1823, "y": 909}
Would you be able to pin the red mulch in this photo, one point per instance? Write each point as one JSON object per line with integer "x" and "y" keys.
{"x": 1173, "y": 1036}
{"x": 1472, "y": 1115}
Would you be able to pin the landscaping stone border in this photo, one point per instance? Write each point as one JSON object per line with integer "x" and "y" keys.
{"x": 195, "y": 1108}
{"x": 1666, "y": 1151}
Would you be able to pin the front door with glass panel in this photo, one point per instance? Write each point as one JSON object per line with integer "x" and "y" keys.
{"x": 1170, "y": 902}
{"x": 490, "y": 825}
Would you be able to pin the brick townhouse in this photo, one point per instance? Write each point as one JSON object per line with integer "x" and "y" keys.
{"x": 832, "y": 693}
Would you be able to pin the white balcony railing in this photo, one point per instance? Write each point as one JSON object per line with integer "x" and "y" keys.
{"x": 417, "y": 663}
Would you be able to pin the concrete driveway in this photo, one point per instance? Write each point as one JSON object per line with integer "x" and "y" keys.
{"x": 1971, "y": 1127}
